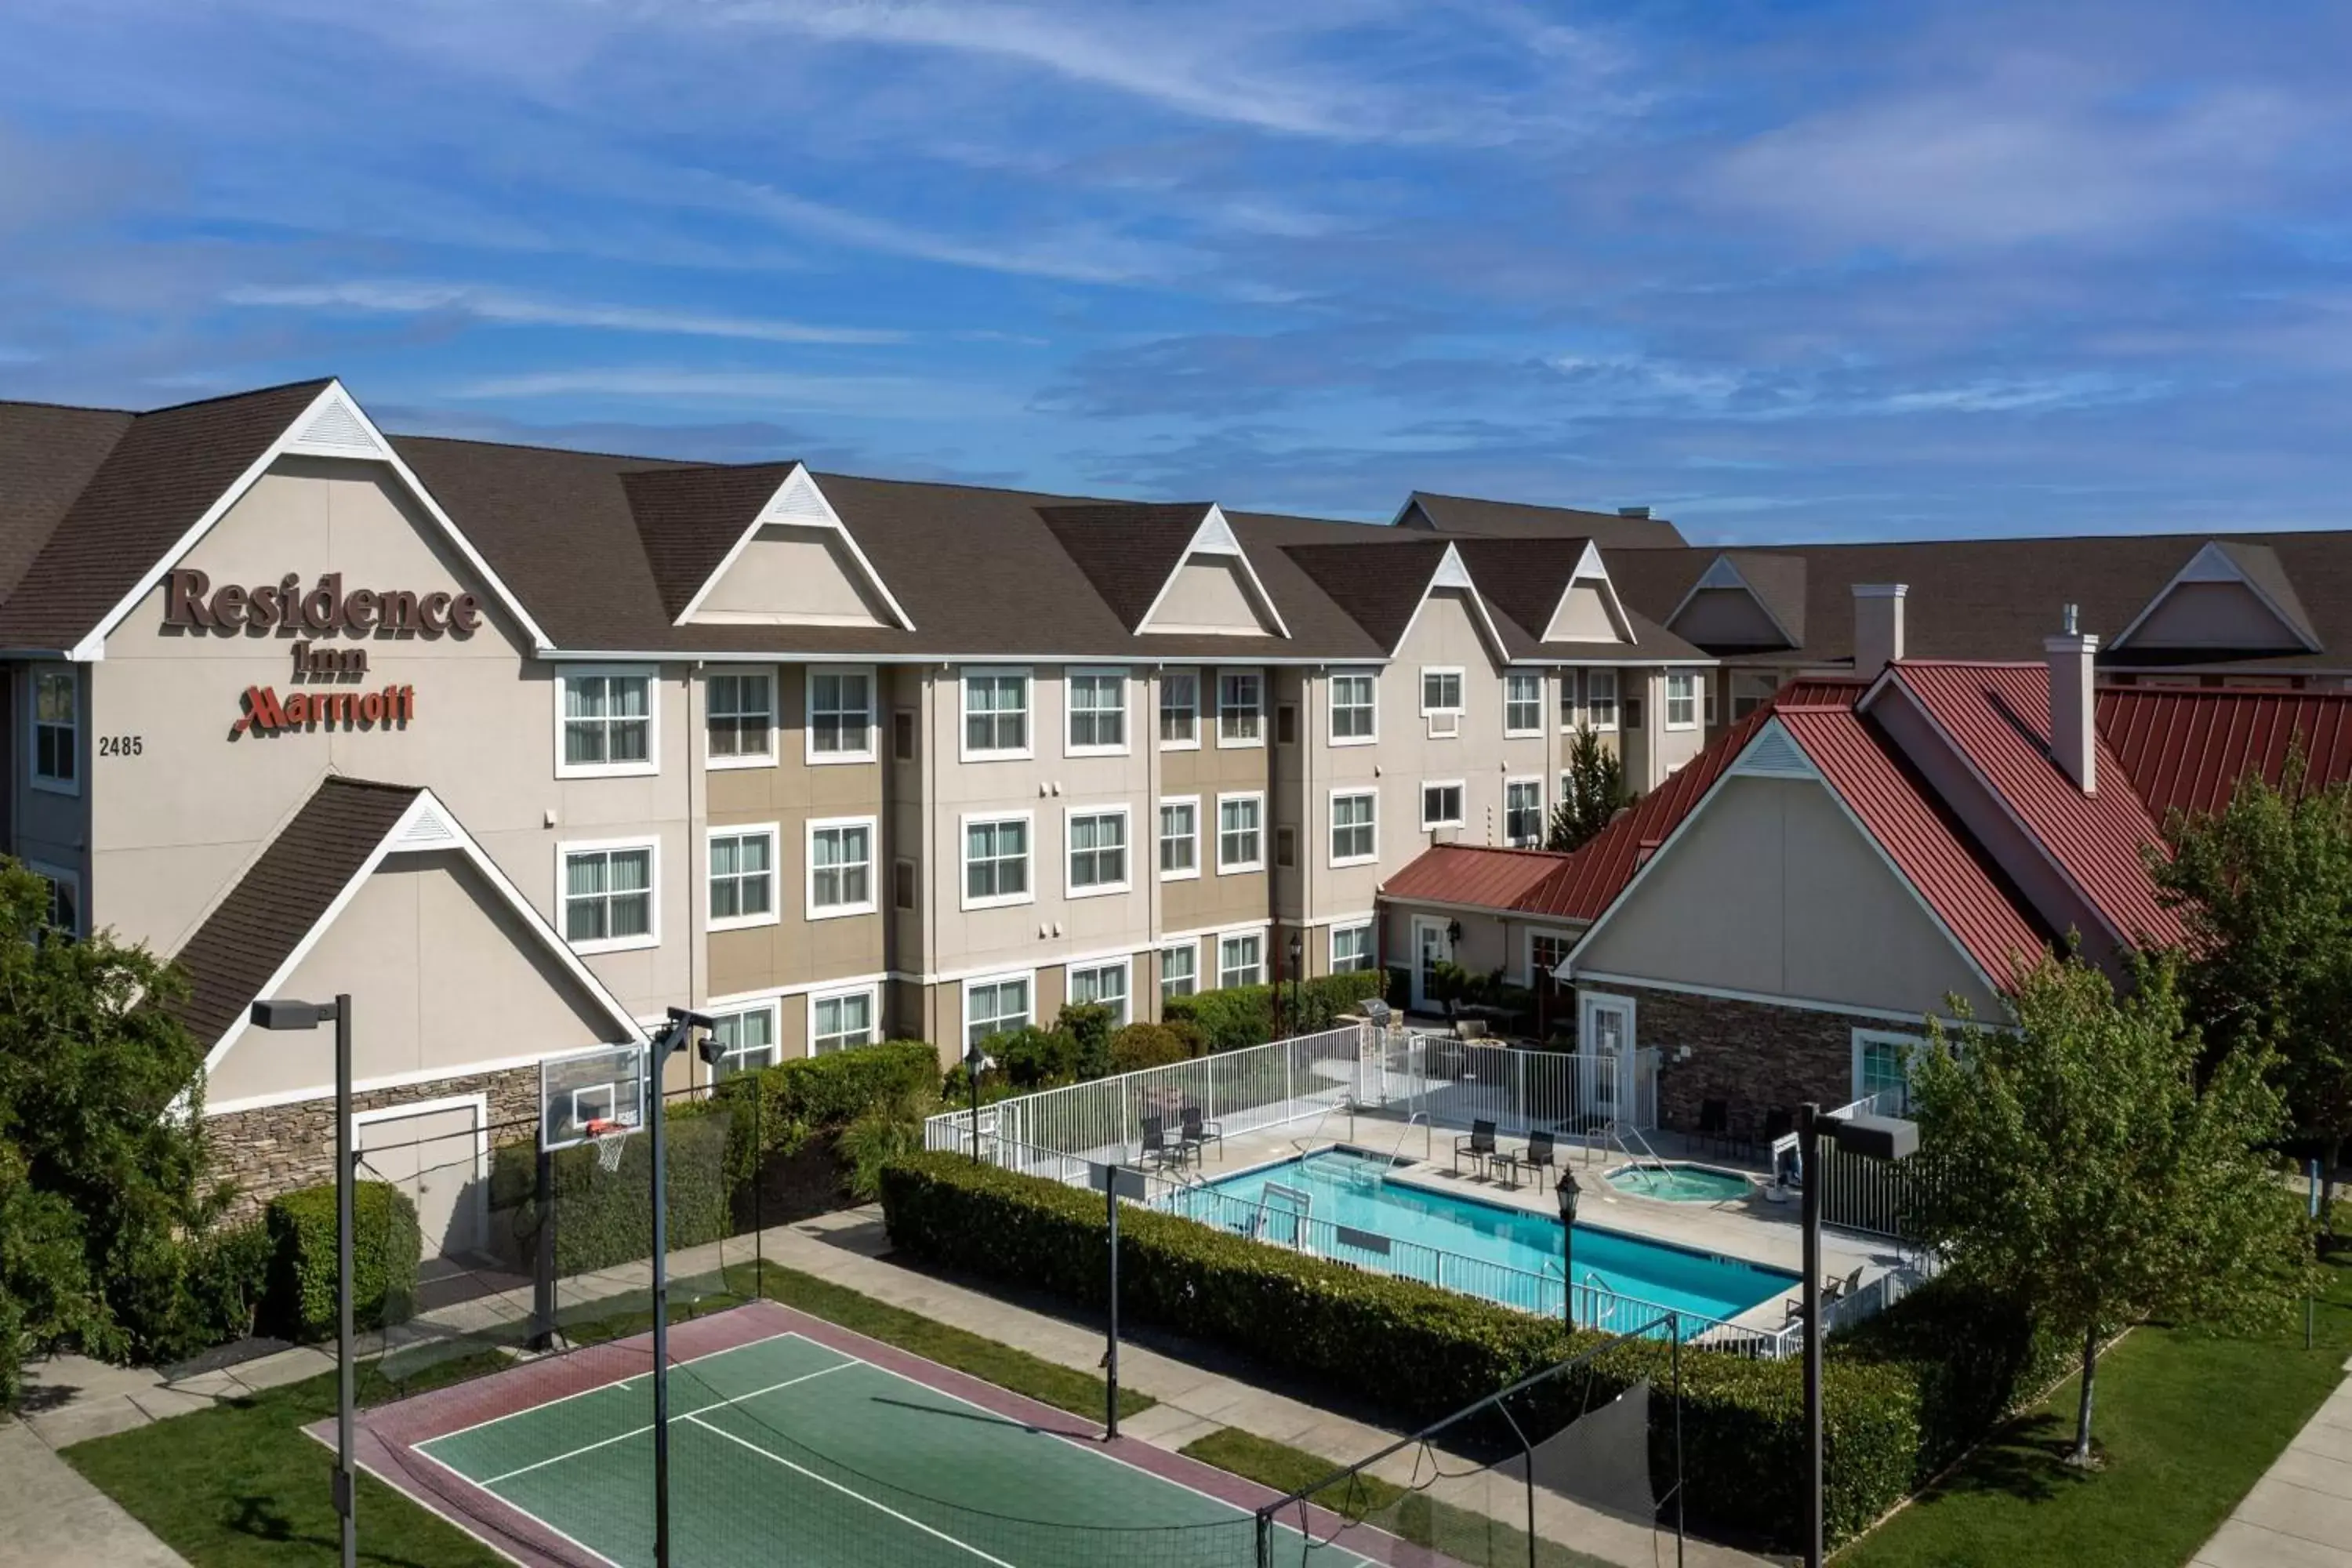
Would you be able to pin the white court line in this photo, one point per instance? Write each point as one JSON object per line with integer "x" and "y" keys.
{"x": 472, "y": 1530}
{"x": 861, "y": 1496}
{"x": 641, "y": 1431}
{"x": 618, "y": 1383}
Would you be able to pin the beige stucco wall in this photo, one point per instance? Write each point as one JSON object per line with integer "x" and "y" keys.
{"x": 793, "y": 575}
{"x": 1582, "y": 617}
{"x": 2212, "y": 616}
{"x": 1208, "y": 595}
{"x": 1771, "y": 889}
{"x": 1215, "y": 899}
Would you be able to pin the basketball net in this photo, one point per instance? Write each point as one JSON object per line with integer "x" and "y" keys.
{"x": 610, "y": 1138}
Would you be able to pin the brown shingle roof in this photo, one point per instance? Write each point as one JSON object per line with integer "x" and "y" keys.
{"x": 1380, "y": 585}
{"x": 48, "y": 455}
{"x": 1128, "y": 550}
{"x": 1520, "y": 520}
{"x": 690, "y": 517}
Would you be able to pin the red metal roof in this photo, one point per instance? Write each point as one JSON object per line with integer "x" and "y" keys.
{"x": 2186, "y": 749}
{"x": 1473, "y": 874}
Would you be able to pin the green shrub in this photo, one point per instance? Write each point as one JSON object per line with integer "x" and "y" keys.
{"x": 1977, "y": 1358}
{"x": 602, "y": 1219}
{"x": 1140, "y": 1046}
{"x": 1090, "y": 1025}
{"x": 299, "y": 1296}
{"x": 1034, "y": 1059}
{"x": 879, "y": 1135}
{"x": 785, "y": 1106}
{"x": 1418, "y": 1351}
{"x": 1239, "y": 1016}
{"x": 227, "y": 1281}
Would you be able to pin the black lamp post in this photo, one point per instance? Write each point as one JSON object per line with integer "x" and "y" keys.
{"x": 1298, "y": 979}
{"x": 1567, "y": 1191}
{"x": 975, "y": 1062}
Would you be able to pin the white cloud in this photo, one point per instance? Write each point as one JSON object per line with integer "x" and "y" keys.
{"x": 759, "y": 393}
{"x": 487, "y": 304}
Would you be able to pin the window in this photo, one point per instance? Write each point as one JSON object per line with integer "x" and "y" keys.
{"x": 739, "y": 723}
{"x": 57, "y": 731}
{"x": 1241, "y": 959}
{"x": 1241, "y": 702}
{"x": 1241, "y": 844}
{"x": 1441, "y": 804}
{"x": 1601, "y": 699}
{"x": 1568, "y": 700}
{"x": 1441, "y": 701}
{"x": 1545, "y": 950}
{"x": 1180, "y": 838}
{"x": 746, "y": 1041}
{"x": 994, "y": 1007}
{"x": 903, "y": 728}
{"x": 1180, "y": 709}
{"x": 1286, "y": 723}
{"x": 1097, "y": 842}
{"x": 1681, "y": 699}
{"x": 1523, "y": 814}
{"x": 837, "y": 1021}
{"x": 1749, "y": 692}
{"x": 1355, "y": 837}
{"x": 996, "y": 713}
{"x": 840, "y": 715}
{"x": 841, "y": 866}
{"x": 608, "y": 896}
{"x": 65, "y": 898}
{"x": 608, "y": 722}
{"x": 1098, "y": 715}
{"x": 1179, "y": 971}
{"x": 1522, "y": 702}
{"x": 742, "y": 877}
{"x": 1285, "y": 847}
{"x": 1102, "y": 983}
{"x": 905, "y": 883}
{"x": 995, "y": 861}
{"x": 1882, "y": 1069}
{"x": 1711, "y": 683}
{"x": 1351, "y": 948}
{"x": 1355, "y": 720}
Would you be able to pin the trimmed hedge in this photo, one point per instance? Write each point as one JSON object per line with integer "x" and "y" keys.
{"x": 1239, "y": 1016}
{"x": 1419, "y": 1351}
{"x": 1976, "y": 1358}
{"x": 798, "y": 1101}
{"x": 299, "y": 1294}
{"x": 602, "y": 1220}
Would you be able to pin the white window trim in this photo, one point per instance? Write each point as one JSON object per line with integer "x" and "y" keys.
{"x": 1461, "y": 687}
{"x": 651, "y": 766}
{"x": 1528, "y": 949}
{"x": 1159, "y": 965}
{"x": 1543, "y": 807}
{"x": 964, "y": 750}
{"x": 817, "y": 824}
{"x": 774, "y": 1008}
{"x": 972, "y": 982}
{"x": 1666, "y": 701}
{"x": 567, "y": 848}
{"x": 817, "y": 759}
{"x": 1028, "y": 895}
{"x": 1240, "y": 867}
{"x": 1585, "y": 710}
{"x": 872, "y": 995}
{"x": 1866, "y": 1037}
{"x": 1330, "y": 825}
{"x": 1158, "y": 838}
{"x": 1126, "y": 712}
{"x": 1159, "y": 692}
{"x": 765, "y": 758}
{"x": 1428, "y": 784}
{"x": 1542, "y": 700}
{"x": 58, "y": 874}
{"x": 1125, "y": 967}
{"x": 773, "y": 833}
{"x": 1331, "y": 707}
{"x": 33, "y": 775}
{"x": 1217, "y": 710}
{"x": 1070, "y": 813}
{"x": 1245, "y": 933}
{"x": 1331, "y": 954}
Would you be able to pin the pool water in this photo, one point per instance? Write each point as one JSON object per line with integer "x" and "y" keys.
{"x": 1345, "y": 1187}
{"x": 1681, "y": 1183}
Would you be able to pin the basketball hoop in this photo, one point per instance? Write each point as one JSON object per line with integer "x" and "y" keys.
{"x": 610, "y": 1138}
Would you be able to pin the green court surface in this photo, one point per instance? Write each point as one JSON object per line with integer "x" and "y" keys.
{"x": 785, "y": 1451}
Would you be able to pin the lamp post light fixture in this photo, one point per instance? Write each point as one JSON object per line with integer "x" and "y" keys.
{"x": 287, "y": 1014}
{"x": 1297, "y": 981}
{"x": 975, "y": 1062}
{"x": 1567, "y": 1191}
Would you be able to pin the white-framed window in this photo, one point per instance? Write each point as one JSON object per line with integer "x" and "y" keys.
{"x": 1096, "y": 723}
{"x": 1441, "y": 804}
{"x": 1241, "y": 959}
{"x": 1440, "y": 699}
{"x": 605, "y": 722}
{"x": 995, "y": 1005}
{"x": 1240, "y": 832}
{"x": 995, "y": 714}
{"x": 1522, "y": 703}
{"x": 1566, "y": 699}
{"x": 1101, "y": 983}
{"x": 841, "y": 1018}
{"x": 841, "y": 713}
{"x": 1600, "y": 699}
{"x": 1882, "y": 1068}
{"x": 1180, "y": 970}
{"x": 65, "y": 896}
{"x": 1351, "y": 948}
{"x": 742, "y": 862}
{"x": 1180, "y": 709}
{"x": 1681, "y": 699}
{"x": 1180, "y": 837}
{"x": 739, "y": 721}
{"x": 606, "y": 892}
{"x": 1711, "y": 683}
{"x": 1523, "y": 813}
{"x": 840, "y": 867}
{"x": 1545, "y": 950}
{"x": 1355, "y": 707}
{"x": 1241, "y": 708}
{"x": 996, "y": 860}
{"x": 57, "y": 729}
{"x": 1355, "y": 827}
{"x": 746, "y": 1039}
{"x": 1096, "y": 841}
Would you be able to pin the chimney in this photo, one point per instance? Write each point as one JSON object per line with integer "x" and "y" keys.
{"x": 2073, "y": 713}
{"x": 1877, "y": 626}
{"x": 1634, "y": 511}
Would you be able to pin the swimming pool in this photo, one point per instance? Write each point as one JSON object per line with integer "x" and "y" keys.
{"x": 1506, "y": 1255}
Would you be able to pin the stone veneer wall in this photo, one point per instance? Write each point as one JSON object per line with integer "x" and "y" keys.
{"x": 281, "y": 1147}
{"x": 1754, "y": 1055}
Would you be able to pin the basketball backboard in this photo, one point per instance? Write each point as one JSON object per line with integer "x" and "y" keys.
{"x": 604, "y": 1083}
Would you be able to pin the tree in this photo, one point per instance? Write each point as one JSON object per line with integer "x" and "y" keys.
{"x": 2265, "y": 888}
{"x": 2079, "y": 1167}
{"x": 1590, "y": 791}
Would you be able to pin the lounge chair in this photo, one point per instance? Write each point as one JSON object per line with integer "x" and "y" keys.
{"x": 1478, "y": 1143}
{"x": 1195, "y": 1134}
{"x": 1833, "y": 1291}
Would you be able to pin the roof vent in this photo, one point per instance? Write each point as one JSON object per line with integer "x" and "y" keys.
{"x": 1641, "y": 511}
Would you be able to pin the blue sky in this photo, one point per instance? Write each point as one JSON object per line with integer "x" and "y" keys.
{"x": 1783, "y": 271}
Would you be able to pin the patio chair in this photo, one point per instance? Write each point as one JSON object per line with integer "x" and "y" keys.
{"x": 1157, "y": 1150}
{"x": 1540, "y": 1156}
{"x": 1195, "y": 1134}
{"x": 1714, "y": 1123}
{"x": 1479, "y": 1144}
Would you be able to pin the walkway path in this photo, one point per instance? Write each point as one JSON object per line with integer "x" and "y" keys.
{"x": 2299, "y": 1515}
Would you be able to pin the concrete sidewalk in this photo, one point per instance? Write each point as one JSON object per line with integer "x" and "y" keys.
{"x": 49, "y": 1515}
{"x": 2299, "y": 1515}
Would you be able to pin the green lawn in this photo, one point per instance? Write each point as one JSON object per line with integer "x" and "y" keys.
{"x": 2186, "y": 1423}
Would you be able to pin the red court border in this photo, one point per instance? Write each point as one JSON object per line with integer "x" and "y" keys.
{"x": 387, "y": 1437}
